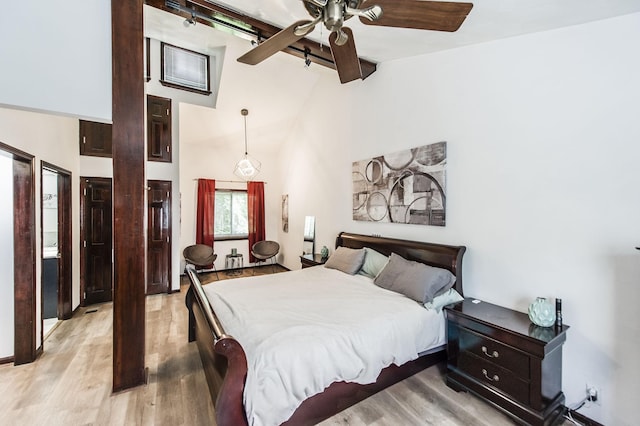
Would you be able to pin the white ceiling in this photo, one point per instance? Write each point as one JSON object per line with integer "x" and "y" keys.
{"x": 274, "y": 90}
{"x": 488, "y": 20}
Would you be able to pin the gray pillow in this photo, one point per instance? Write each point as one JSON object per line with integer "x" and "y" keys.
{"x": 416, "y": 280}
{"x": 346, "y": 260}
{"x": 374, "y": 262}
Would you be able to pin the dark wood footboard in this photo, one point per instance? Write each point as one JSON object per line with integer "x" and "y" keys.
{"x": 225, "y": 362}
{"x": 223, "y": 359}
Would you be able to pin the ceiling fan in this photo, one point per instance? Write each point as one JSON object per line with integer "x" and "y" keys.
{"x": 417, "y": 14}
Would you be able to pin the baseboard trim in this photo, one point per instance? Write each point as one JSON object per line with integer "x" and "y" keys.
{"x": 7, "y": 360}
{"x": 586, "y": 421}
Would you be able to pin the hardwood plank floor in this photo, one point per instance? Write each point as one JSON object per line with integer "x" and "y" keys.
{"x": 70, "y": 384}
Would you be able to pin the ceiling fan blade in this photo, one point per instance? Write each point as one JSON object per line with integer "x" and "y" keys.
{"x": 274, "y": 44}
{"x": 418, "y": 14}
{"x": 345, "y": 57}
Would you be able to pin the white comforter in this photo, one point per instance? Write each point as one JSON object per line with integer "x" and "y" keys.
{"x": 305, "y": 329}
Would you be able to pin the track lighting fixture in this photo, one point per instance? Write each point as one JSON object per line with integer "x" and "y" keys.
{"x": 307, "y": 60}
{"x": 191, "y": 20}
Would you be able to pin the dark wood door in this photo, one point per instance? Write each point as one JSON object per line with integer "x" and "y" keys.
{"x": 159, "y": 237}
{"x": 95, "y": 139}
{"x": 24, "y": 256}
{"x": 158, "y": 129}
{"x": 97, "y": 240}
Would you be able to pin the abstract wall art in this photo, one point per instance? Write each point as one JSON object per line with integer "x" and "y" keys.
{"x": 403, "y": 187}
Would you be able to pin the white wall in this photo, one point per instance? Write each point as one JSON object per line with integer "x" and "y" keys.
{"x": 204, "y": 161}
{"x": 50, "y": 215}
{"x": 6, "y": 260}
{"x": 59, "y": 61}
{"x": 542, "y": 180}
{"x": 52, "y": 139}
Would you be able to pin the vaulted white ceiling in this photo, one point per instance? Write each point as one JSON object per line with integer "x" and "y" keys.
{"x": 275, "y": 90}
{"x": 488, "y": 20}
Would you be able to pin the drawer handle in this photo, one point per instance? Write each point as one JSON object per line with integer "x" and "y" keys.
{"x": 495, "y": 377}
{"x": 494, "y": 354}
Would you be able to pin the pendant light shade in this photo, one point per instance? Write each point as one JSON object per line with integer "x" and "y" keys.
{"x": 248, "y": 167}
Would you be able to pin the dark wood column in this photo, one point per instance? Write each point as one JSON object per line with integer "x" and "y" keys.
{"x": 128, "y": 194}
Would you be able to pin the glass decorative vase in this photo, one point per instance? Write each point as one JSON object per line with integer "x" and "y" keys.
{"x": 542, "y": 313}
{"x": 324, "y": 252}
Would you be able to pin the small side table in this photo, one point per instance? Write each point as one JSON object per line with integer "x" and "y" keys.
{"x": 499, "y": 355}
{"x": 234, "y": 263}
{"x": 308, "y": 260}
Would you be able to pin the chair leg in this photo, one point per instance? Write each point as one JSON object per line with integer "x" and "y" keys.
{"x": 216, "y": 271}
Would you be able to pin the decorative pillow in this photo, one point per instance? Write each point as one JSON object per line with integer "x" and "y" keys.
{"x": 448, "y": 297}
{"x": 346, "y": 260}
{"x": 374, "y": 262}
{"x": 416, "y": 280}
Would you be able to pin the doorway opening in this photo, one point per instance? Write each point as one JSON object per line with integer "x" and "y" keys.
{"x": 56, "y": 246}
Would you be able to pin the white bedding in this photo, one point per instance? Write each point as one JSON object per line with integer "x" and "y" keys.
{"x": 303, "y": 330}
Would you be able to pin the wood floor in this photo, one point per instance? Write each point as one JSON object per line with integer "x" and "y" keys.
{"x": 70, "y": 384}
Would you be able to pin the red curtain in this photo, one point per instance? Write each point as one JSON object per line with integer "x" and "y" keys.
{"x": 255, "y": 207}
{"x": 205, "y": 211}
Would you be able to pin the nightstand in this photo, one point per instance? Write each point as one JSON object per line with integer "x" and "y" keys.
{"x": 308, "y": 260}
{"x": 500, "y": 356}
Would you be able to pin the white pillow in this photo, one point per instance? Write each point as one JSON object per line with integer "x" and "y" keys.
{"x": 448, "y": 297}
{"x": 374, "y": 262}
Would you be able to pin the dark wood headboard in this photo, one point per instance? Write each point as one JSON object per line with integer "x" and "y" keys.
{"x": 438, "y": 255}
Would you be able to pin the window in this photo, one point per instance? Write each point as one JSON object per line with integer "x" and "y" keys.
{"x": 185, "y": 69}
{"x": 230, "y": 221}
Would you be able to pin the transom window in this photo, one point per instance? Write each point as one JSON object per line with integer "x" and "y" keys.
{"x": 185, "y": 69}
{"x": 230, "y": 222}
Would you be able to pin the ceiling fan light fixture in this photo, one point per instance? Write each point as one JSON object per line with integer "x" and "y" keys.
{"x": 247, "y": 167}
{"x": 371, "y": 13}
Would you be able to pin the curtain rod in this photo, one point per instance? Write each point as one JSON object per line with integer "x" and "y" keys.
{"x": 231, "y": 181}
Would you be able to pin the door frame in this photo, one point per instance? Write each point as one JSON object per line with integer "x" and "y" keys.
{"x": 65, "y": 259}
{"x": 24, "y": 254}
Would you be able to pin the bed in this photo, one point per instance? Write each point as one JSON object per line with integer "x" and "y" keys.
{"x": 226, "y": 364}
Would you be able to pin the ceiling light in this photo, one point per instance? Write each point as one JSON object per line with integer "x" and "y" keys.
{"x": 191, "y": 20}
{"x": 247, "y": 168}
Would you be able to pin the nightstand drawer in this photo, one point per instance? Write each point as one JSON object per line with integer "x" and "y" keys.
{"x": 493, "y": 375}
{"x": 495, "y": 352}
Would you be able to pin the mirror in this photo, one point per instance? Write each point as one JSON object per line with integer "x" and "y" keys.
{"x": 309, "y": 243}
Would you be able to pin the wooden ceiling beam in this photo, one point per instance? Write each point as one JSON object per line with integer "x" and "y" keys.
{"x": 317, "y": 53}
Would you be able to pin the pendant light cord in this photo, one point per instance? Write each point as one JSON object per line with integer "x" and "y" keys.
{"x": 245, "y": 135}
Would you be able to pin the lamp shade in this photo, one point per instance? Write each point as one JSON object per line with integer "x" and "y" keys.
{"x": 248, "y": 167}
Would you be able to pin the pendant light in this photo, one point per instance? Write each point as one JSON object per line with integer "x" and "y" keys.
{"x": 248, "y": 167}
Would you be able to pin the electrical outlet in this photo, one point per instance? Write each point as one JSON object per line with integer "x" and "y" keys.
{"x": 592, "y": 393}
